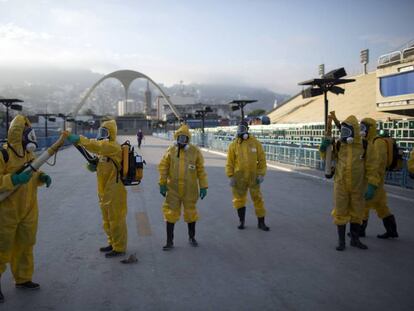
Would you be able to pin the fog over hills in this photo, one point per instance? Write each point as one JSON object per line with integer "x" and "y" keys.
{"x": 59, "y": 90}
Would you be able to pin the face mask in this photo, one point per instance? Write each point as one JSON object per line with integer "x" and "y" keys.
{"x": 364, "y": 129}
{"x": 242, "y": 131}
{"x": 103, "y": 133}
{"x": 347, "y": 133}
{"x": 182, "y": 141}
{"x": 29, "y": 139}
{"x": 244, "y": 136}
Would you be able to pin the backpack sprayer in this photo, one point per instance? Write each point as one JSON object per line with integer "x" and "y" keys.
{"x": 132, "y": 165}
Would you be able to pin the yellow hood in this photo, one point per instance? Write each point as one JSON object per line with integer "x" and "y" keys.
{"x": 15, "y": 133}
{"x": 352, "y": 120}
{"x": 372, "y": 131}
{"x": 112, "y": 128}
{"x": 183, "y": 130}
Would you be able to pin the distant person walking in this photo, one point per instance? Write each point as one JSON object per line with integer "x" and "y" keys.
{"x": 140, "y": 137}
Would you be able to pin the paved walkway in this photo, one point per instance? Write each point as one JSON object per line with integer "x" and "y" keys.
{"x": 292, "y": 267}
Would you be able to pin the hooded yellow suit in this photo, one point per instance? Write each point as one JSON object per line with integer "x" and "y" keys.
{"x": 245, "y": 161}
{"x": 18, "y": 213}
{"x": 111, "y": 191}
{"x": 410, "y": 162}
{"x": 182, "y": 170}
{"x": 351, "y": 174}
{"x": 376, "y": 160}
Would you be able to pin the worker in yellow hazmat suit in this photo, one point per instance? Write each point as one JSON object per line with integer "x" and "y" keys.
{"x": 111, "y": 191}
{"x": 18, "y": 212}
{"x": 349, "y": 182}
{"x": 246, "y": 168}
{"x": 182, "y": 180}
{"x": 377, "y": 158}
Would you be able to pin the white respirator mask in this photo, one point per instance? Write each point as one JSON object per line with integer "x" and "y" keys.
{"x": 29, "y": 139}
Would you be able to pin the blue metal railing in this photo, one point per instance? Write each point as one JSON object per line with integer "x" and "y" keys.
{"x": 45, "y": 142}
{"x": 298, "y": 155}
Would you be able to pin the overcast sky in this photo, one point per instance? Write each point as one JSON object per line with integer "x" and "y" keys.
{"x": 272, "y": 44}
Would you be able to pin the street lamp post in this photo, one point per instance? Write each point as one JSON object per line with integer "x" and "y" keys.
{"x": 47, "y": 116}
{"x": 239, "y": 104}
{"x": 327, "y": 83}
{"x": 202, "y": 114}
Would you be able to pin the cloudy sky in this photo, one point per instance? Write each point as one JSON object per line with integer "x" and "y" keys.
{"x": 272, "y": 44}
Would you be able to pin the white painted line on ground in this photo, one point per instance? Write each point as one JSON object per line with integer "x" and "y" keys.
{"x": 395, "y": 196}
{"x": 285, "y": 169}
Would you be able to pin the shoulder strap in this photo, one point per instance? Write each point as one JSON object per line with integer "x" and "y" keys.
{"x": 5, "y": 155}
{"x": 365, "y": 146}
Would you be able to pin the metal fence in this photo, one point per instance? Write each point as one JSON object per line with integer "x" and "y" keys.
{"x": 298, "y": 155}
{"x": 46, "y": 142}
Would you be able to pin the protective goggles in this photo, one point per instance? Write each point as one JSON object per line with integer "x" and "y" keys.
{"x": 103, "y": 133}
{"x": 29, "y": 136}
{"x": 182, "y": 139}
{"x": 242, "y": 129}
{"x": 346, "y": 131}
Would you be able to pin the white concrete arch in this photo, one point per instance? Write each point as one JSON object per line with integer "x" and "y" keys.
{"x": 126, "y": 77}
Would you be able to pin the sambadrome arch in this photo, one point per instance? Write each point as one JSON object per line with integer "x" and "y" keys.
{"x": 126, "y": 77}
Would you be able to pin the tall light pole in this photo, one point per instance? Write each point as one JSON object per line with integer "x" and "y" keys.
{"x": 202, "y": 114}
{"x": 47, "y": 116}
{"x": 238, "y": 104}
{"x": 327, "y": 83}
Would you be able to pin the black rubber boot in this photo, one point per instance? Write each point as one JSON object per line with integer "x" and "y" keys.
{"x": 114, "y": 254}
{"x": 362, "y": 232}
{"x": 106, "y": 249}
{"x": 355, "y": 242}
{"x": 28, "y": 285}
{"x": 1, "y": 294}
{"x": 390, "y": 227}
{"x": 191, "y": 234}
{"x": 170, "y": 237}
{"x": 341, "y": 237}
{"x": 242, "y": 216}
{"x": 363, "y": 228}
{"x": 261, "y": 224}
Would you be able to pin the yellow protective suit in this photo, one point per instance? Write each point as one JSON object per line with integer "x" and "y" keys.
{"x": 410, "y": 162}
{"x": 376, "y": 159}
{"x": 111, "y": 191}
{"x": 183, "y": 175}
{"x": 18, "y": 213}
{"x": 349, "y": 180}
{"x": 245, "y": 161}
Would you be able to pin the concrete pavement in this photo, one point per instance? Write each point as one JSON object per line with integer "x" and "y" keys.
{"x": 292, "y": 267}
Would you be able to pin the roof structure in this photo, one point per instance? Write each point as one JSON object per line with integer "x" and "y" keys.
{"x": 359, "y": 99}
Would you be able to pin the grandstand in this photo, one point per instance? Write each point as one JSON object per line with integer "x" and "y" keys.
{"x": 386, "y": 95}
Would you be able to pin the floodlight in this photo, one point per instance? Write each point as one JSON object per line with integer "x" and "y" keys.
{"x": 16, "y": 107}
{"x": 335, "y": 74}
{"x": 337, "y": 90}
{"x": 311, "y": 92}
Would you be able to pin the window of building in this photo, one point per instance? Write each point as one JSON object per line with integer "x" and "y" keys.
{"x": 399, "y": 84}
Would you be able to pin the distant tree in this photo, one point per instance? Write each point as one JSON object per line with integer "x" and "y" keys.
{"x": 257, "y": 112}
